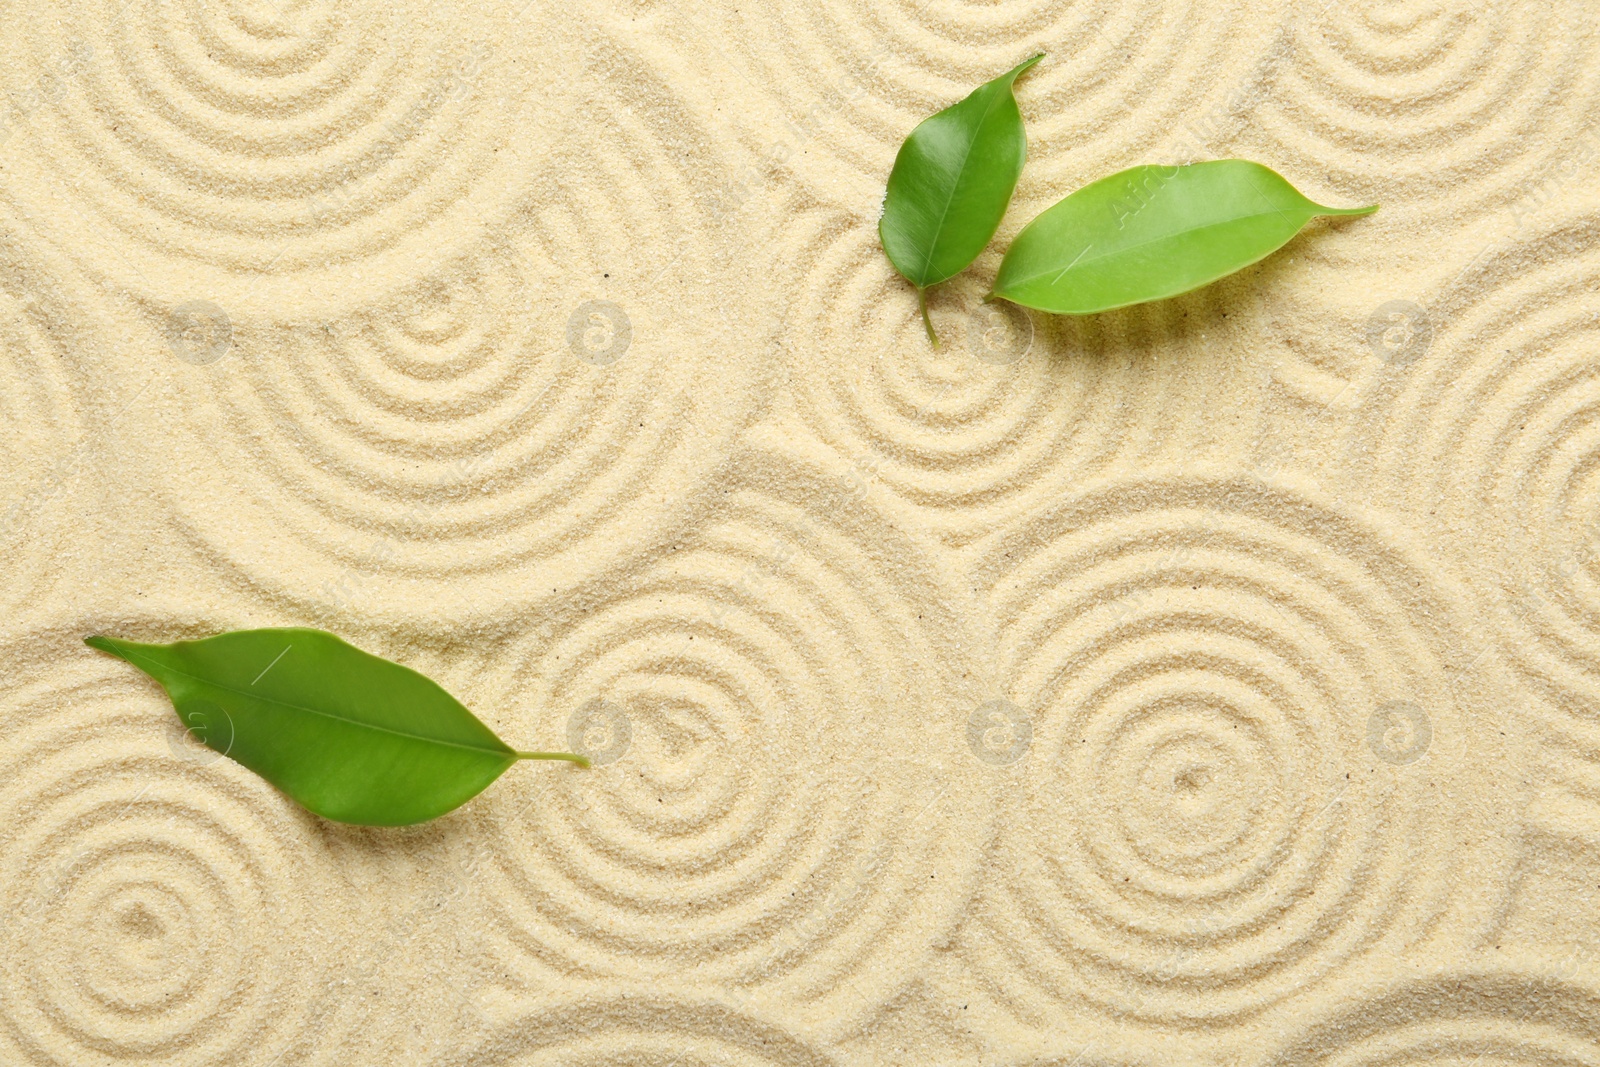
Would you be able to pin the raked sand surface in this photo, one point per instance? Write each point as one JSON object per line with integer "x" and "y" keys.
{"x": 1215, "y": 681}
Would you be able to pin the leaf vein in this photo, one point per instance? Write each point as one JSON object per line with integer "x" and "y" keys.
{"x": 1142, "y": 244}
{"x": 315, "y": 711}
{"x": 933, "y": 242}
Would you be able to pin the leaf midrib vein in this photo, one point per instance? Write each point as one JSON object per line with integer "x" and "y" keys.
{"x": 324, "y": 714}
{"x": 1153, "y": 240}
{"x": 933, "y": 243}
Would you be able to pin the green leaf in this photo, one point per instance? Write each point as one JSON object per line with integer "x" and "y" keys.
{"x": 1148, "y": 233}
{"x": 950, "y": 185}
{"x": 349, "y": 735}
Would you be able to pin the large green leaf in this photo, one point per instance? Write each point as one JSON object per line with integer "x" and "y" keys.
{"x": 349, "y": 735}
{"x": 951, "y": 182}
{"x": 1148, "y": 233}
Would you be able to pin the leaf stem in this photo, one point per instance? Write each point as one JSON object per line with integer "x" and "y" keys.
{"x": 570, "y": 757}
{"x": 927, "y": 323}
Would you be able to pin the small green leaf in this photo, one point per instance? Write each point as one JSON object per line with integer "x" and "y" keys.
{"x": 1148, "y": 233}
{"x": 950, "y": 185}
{"x": 348, "y": 735}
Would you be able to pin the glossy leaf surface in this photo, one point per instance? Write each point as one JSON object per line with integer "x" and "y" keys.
{"x": 348, "y": 735}
{"x": 951, "y": 182}
{"x": 1151, "y": 232}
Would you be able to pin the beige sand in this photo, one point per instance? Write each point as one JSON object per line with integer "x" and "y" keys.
{"x": 1209, "y": 682}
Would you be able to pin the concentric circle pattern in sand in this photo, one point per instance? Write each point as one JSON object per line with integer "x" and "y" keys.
{"x": 1486, "y": 1017}
{"x": 857, "y": 77}
{"x": 47, "y": 443}
{"x": 1323, "y": 318}
{"x": 483, "y": 437}
{"x": 770, "y": 829}
{"x": 1417, "y": 104}
{"x": 1409, "y": 106}
{"x": 42, "y": 415}
{"x": 1497, "y": 433}
{"x": 1012, "y": 409}
{"x": 639, "y": 1031}
{"x": 161, "y": 906}
{"x": 274, "y": 145}
{"x": 1250, "y": 712}
{"x": 958, "y": 705}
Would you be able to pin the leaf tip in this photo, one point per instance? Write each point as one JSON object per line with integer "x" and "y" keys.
{"x": 569, "y": 757}
{"x": 1020, "y": 68}
{"x": 104, "y": 644}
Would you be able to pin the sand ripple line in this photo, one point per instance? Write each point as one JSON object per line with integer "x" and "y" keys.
{"x": 44, "y": 448}
{"x": 1497, "y": 431}
{"x": 485, "y": 435}
{"x": 162, "y": 905}
{"x": 276, "y": 140}
{"x": 1009, "y": 413}
{"x": 1247, "y": 707}
{"x": 791, "y": 811}
{"x": 53, "y": 419}
{"x": 854, "y": 78}
{"x": 1414, "y": 104}
{"x": 642, "y": 1029}
{"x": 1487, "y": 1016}
{"x": 1446, "y": 114}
